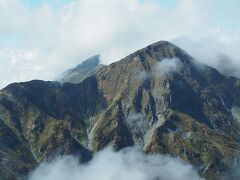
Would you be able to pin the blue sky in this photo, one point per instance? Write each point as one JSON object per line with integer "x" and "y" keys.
{"x": 57, "y": 3}
{"x": 166, "y": 3}
{"x": 53, "y": 3}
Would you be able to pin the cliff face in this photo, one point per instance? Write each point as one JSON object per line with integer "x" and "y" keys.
{"x": 158, "y": 98}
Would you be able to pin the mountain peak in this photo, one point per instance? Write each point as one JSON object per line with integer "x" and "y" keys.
{"x": 162, "y": 43}
{"x": 90, "y": 63}
{"x": 159, "y": 51}
{"x": 83, "y": 70}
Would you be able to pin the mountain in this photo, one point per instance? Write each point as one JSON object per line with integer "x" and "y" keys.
{"x": 158, "y": 98}
{"x": 82, "y": 71}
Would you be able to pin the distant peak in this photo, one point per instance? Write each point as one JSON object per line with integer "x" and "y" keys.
{"x": 83, "y": 70}
{"x": 92, "y": 61}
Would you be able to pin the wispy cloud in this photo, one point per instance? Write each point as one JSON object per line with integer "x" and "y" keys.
{"x": 168, "y": 66}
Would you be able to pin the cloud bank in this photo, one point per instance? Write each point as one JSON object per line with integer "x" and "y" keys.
{"x": 127, "y": 164}
{"x": 60, "y": 38}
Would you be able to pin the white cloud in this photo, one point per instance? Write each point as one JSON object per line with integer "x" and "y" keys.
{"x": 18, "y": 65}
{"x": 168, "y": 66}
{"x": 65, "y": 36}
{"x": 109, "y": 165}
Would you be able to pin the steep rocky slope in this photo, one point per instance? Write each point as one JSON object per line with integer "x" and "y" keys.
{"x": 158, "y": 98}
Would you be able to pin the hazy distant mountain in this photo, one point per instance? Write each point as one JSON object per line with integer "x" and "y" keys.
{"x": 82, "y": 71}
{"x": 159, "y": 98}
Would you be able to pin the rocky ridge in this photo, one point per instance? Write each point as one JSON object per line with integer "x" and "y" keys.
{"x": 158, "y": 98}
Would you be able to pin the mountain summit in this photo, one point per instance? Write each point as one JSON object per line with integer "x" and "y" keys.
{"x": 158, "y": 98}
{"x": 82, "y": 71}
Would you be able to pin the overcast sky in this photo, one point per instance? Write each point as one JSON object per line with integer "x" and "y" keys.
{"x": 40, "y": 39}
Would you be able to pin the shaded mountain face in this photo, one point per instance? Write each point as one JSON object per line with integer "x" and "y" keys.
{"x": 82, "y": 71}
{"x": 158, "y": 98}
